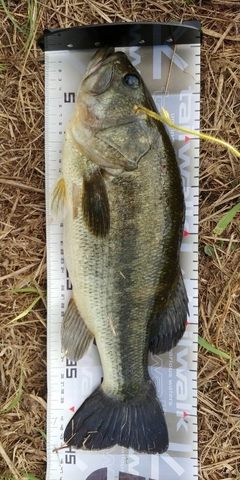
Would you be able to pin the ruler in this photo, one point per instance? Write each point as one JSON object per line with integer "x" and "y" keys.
{"x": 174, "y": 373}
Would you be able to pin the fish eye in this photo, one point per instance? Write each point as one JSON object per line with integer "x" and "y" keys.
{"x": 131, "y": 80}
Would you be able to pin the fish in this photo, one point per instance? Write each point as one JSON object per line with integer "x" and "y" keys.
{"x": 121, "y": 200}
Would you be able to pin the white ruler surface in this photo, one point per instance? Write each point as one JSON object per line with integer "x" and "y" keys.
{"x": 174, "y": 373}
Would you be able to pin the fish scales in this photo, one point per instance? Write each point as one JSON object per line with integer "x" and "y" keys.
{"x": 122, "y": 233}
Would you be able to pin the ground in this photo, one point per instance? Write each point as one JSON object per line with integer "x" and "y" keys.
{"x": 22, "y": 234}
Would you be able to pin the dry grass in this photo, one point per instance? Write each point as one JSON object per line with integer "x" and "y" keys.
{"x": 22, "y": 234}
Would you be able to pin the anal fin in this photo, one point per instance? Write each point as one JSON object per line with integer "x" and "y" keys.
{"x": 76, "y": 338}
{"x": 169, "y": 325}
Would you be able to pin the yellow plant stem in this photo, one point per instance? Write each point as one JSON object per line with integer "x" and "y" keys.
{"x": 165, "y": 118}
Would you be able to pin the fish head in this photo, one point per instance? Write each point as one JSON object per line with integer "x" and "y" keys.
{"x": 112, "y": 76}
{"x": 104, "y": 121}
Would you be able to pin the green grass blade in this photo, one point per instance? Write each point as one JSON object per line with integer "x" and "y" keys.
{"x": 17, "y": 398}
{"x": 24, "y": 290}
{"x": 224, "y": 222}
{"x": 28, "y": 475}
{"x": 208, "y": 250}
{"x": 43, "y": 434}
{"x": 28, "y": 309}
{"x": 212, "y": 349}
{"x": 32, "y": 18}
{"x": 11, "y": 18}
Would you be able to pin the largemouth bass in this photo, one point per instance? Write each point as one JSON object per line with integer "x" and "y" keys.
{"x": 121, "y": 198}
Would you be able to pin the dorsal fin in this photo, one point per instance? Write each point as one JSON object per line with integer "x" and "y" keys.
{"x": 168, "y": 325}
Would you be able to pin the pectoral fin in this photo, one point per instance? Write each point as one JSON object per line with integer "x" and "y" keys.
{"x": 76, "y": 338}
{"x": 95, "y": 205}
{"x": 58, "y": 200}
{"x": 168, "y": 326}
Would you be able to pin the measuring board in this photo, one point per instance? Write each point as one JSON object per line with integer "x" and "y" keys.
{"x": 174, "y": 373}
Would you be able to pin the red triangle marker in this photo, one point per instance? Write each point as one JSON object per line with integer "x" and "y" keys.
{"x": 72, "y": 409}
{"x": 186, "y": 139}
{"x": 185, "y": 233}
{"x": 187, "y": 323}
{"x": 185, "y": 414}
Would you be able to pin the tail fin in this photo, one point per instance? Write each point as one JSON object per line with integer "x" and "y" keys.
{"x": 103, "y": 421}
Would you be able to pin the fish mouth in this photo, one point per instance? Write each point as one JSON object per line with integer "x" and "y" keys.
{"x": 99, "y": 58}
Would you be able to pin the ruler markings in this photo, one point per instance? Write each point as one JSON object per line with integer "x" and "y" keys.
{"x": 56, "y": 367}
